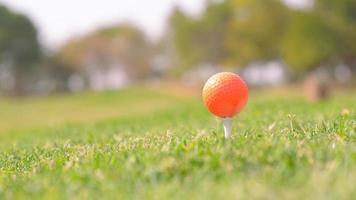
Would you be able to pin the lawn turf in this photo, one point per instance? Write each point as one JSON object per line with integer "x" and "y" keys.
{"x": 152, "y": 144}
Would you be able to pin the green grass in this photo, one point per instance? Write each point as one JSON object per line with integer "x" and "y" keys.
{"x": 148, "y": 144}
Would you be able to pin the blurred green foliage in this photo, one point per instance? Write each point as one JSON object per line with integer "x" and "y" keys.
{"x": 322, "y": 35}
{"x": 238, "y": 32}
{"x": 230, "y": 33}
{"x": 199, "y": 40}
{"x": 254, "y": 31}
{"x": 19, "y": 46}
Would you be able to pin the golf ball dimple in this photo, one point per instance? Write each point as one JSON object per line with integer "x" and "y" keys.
{"x": 225, "y": 94}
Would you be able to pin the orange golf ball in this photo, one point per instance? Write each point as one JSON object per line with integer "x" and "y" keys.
{"x": 225, "y": 94}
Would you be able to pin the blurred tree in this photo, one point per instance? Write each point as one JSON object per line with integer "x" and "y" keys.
{"x": 255, "y": 30}
{"x": 309, "y": 42}
{"x": 321, "y": 36}
{"x": 183, "y": 31}
{"x": 213, "y": 29}
{"x": 340, "y": 16}
{"x": 58, "y": 72}
{"x": 232, "y": 32}
{"x": 238, "y": 32}
{"x": 200, "y": 39}
{"x": 122, "y": 45}
{"x": 19, "y": 47}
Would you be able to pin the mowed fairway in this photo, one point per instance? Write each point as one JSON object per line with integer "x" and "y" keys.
{"x": 154, "y": 144}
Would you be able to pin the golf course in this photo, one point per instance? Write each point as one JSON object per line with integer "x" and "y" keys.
{"x": 162, "y": 143}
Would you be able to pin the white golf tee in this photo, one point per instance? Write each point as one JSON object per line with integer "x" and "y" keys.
{"x": 227, "y": 123}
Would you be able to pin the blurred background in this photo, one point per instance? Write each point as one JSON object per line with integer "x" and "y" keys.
{"x": 49, "y": 47}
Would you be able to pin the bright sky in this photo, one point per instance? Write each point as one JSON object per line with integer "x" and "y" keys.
{"x": 60, "y": 20}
